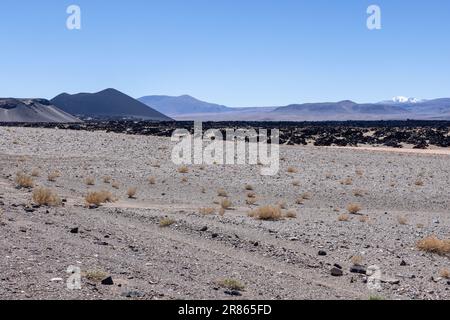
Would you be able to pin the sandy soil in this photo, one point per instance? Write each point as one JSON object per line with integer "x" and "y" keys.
{"x": 187, "y": 260}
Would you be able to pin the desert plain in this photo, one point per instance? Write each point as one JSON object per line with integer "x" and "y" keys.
{"x": 314, "y": 231}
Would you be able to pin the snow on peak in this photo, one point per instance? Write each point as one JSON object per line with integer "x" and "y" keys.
{"x": 401, "y": 99}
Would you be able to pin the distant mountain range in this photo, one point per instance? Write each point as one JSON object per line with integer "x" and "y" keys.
{"x": 399, "y": 108}
{"x": 32, "y": 111}
{"x": 113, "y": 104}
{"x": 108, "y": 103}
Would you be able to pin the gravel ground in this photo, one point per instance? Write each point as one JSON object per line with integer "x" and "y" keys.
{"x": 404, "y": 198}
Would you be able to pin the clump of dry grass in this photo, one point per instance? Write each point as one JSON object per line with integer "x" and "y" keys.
{"x": 231, "y": 284}
{"x": 207, "y": 211}
{"x": 99, "y": 197}
{"x": 45, "y": 197}
{"x": 357, "y": 260}
{"x": 347, "y": 182}
{"x": 306, "y": 196}
{"x": 225, "y": 204}
{"x": 433, "y": 244}
{"x": 402, "y": 220}
{"x": 89, "y": 181}
{"x": 248, "y": 187}
{"x": 296, "y": 183}
{"x": 299, "y": 201}
{"x": 292, "y": 170}
{"x": 95, "y": 275}
{"x": 222, "y": 212}
{"x": 359, "y": 172}
{"x": 24, "y": 181}
{"x": 35, "y": 173}
{"x": 354, "y": 208}
{"x": 344, "y": 217}
{"x": 183, "y": 169}
{"x": 131, "y": 192}
{"x": 364, "y": 219}
{"x": 52, "y": 176}
{"x": 152, "y": 180}
{"x": 270, "y": 213}
{"x": 251, "y": 201}
{"x": 419, "y": 183}
{"x": 166, "y": 222}
{"x": 184, "y": 180}
{"x": 107, "y": 179}
{"x": 358, "y": 193}
{"x": 222, "y": 193}
{"x": 251, "y": 195}
{"x": 445, "y": 273}
{"x": 115, "y": 185}
{"x": 291, "y": 214}
{"x": 282, "y": 204}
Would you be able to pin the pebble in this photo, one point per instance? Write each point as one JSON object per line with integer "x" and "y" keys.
{"x": 108, "y": 281}
{"x": 336, "y": 272}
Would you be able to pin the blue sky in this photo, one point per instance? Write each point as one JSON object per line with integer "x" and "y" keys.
{"x": 234, "y": 52}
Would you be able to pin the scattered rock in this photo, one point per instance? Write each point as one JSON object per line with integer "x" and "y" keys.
{"x": 358, "y": 269}
{"x": 336, "y": 272}
{"x": 74, "y": 230}
{"x": 108, "y": 281}
{"x": 204, "y": 229}
{"x": 214, "y": 235}
{"x": 403, "y": 263}
{"x": 132, "y": 294}
{"x": 93, "y": 206}
{"x": 322, "y": 253}
{"x": 233, "y": 293}
{"x": 56, "y": 279}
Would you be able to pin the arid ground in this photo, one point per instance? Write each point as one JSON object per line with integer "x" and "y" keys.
{"x": 171, "y": 240}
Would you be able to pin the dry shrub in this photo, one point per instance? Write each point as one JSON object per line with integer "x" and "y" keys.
{"x": 271, "y": 213}
{"x": 358, "y": 193}
{"x": 99, "y": 197}
{"x": 166, "y": 222}
{"x": 222, "y": 212}
{"x": 359, "y": 172}
{"x": 445, "y": 273}
{"x": 354, "y": 208}
{"x": 222, "y": 193}
{"x": 344, "y": 217}
{"x": 52, "y": 176}
{"x": 296, "y": 183}
{"x": 226, "y": 204}
{"x": 184, "y": 180}
{"x": 282, "y": 204}
{"x": 419, "y": 183}
{"x": 207, "y": 211}
{"x": 183, "y": 169}
{"x": 291, "y": 214}
{"x": 364, "y": 219}
{"x": 299, "y": 201}
{"x": 306, "y": 196}
{"x": 107, "y": 179}
{"x": 231, "y": 284}
{"x": 131, "y": 192}
{"x": 357, "y": 260}
{"x": 95, "y": 275}
{"x": 292, "y": 170}
{"x": 402, "y": 220}
{"x": 433, "y": 244}
{"x": 347, "y": 182}
{"x": 115, "y": 185}
{"x": 45, "y": 197}
{"x": 248, "y": 187}
{"x": 251, "y": 201}
{"x": 152, "y": 180}
{"x": 24, "y": 181}
{"x": 251, "y": 195}
{"x": 89, "y": 181}
{"x": 35, "y": 173}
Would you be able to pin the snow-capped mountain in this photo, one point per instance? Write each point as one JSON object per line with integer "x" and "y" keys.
{"x": 401, "y": 99}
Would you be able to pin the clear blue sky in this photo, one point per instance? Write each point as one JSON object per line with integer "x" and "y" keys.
{"x": 233, "y": 52}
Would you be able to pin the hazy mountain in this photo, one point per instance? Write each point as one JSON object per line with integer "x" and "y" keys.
{"x": 108, "y": 103}
{"x": 182, "y": 105}
{"x": 32, "y": 110}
